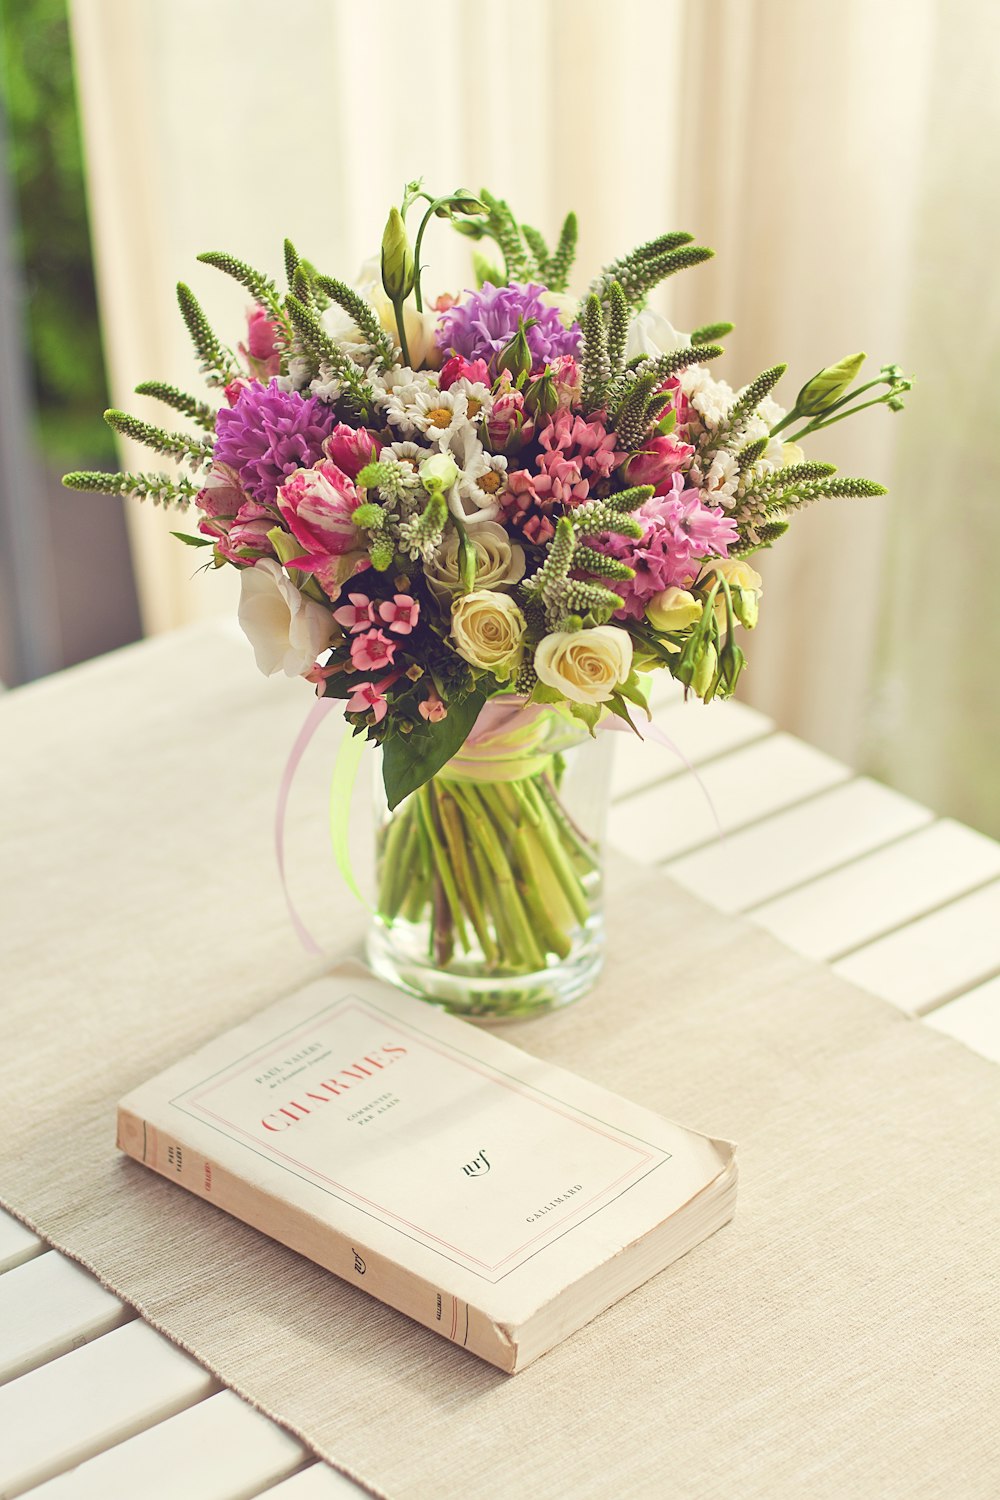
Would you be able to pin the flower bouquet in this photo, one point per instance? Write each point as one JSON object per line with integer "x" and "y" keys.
{"x": 482, "y": 522}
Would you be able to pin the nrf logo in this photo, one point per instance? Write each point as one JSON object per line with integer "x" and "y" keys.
{"x": 478, "y": 1166}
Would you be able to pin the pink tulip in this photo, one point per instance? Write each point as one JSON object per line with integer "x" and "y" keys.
{"x": 351, "y": 448}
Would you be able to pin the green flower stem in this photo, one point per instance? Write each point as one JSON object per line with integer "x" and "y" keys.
{"x": 496, "y": 868}
{"x": 444, "y": 876}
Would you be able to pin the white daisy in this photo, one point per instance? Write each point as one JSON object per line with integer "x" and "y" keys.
{"x": 410, "y": 456}
{"x": 438, "y": 414}
{"x": 478, "y": 396}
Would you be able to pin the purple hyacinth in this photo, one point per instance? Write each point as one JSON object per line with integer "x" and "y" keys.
{"x": 480, "y": 326}
{"x": 270, "y": 433}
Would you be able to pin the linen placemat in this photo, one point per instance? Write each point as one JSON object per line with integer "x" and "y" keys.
{"x": 840, "y": 1338}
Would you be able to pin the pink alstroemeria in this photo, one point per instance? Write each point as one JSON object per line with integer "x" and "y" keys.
{"x": 400, "y": 613}
{"x": 656, "y": 462}
{"x": 506, "y": 424}
{"x": 351, "y": 448}
{"x": 368, "y": 695}
{"x": 372, "y": 651}
{"x": 357, "y": 615}
{"x": 432, "y": 709}
{"x": 457, "y": 368}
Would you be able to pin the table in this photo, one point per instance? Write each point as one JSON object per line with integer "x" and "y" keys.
{"x": 836, "y": 866}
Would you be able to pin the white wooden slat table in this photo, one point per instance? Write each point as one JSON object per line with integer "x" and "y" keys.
{"x": 97, "y": 1404}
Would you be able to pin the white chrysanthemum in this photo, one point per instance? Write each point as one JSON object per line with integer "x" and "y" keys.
{"x": 397, "y": 394}
{"x": 478, "y": 396}
{"x": 438, "y": 414}
{"x": 410, "y": 456}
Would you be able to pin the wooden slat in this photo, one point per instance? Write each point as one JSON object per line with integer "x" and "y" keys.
{"x": 68, "y": 1410}
{"x": 49, "y": 1306}
{"x": 973, "y": 1019}
{"x": 700, "y": 731}
{"x": 674, "y": 817}
{"x": 790, "y": 847}
{"x": 17, "y": 1244}
{"x": 220, "y": 1449}
{"x": 934, "y": 959}
{"x": 870, "y": 897}
{"x": 318, "y": 1483}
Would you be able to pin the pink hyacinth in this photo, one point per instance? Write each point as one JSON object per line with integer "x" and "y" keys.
{"x": 372, "y": 651}
{"x": 351, "y": 448}
{"x": 457, "y": 368}
{"x": 368, "y": 695}
{"x": 400, "y": 613}
{"x": 679, "y": 532}
{"x": 357, "y": 615}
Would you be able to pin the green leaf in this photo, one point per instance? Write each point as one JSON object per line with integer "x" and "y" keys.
{"x": 193, "y": 541}
{"x": 410, "y": 761}
{"x": 616, "y": 703}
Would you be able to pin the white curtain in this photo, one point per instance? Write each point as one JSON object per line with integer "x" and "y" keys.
{"x": 839, "y": 157}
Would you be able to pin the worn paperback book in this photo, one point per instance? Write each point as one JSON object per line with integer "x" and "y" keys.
{"x": 498, "y": 1200}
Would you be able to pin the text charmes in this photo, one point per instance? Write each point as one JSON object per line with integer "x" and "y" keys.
{"x": 309, "y": 1101}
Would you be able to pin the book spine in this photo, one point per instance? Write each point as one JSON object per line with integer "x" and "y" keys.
{"x": 351, "y": 1260}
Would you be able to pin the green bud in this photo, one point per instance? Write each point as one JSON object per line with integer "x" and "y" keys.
{"x": 438, "y": 473}
{"x": 285, "y": 546}
{"x": 704, "y": 670}
{"x": 397, "y": 258}
{"x": 381, "y": 554}
{"x": 820, "y": 393}
{"x": 370, "y": 516}
{"x": 540, "y": 397}
{"x": 515, "y": 357}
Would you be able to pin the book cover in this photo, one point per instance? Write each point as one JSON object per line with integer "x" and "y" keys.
{"x": 496, "y": 1199}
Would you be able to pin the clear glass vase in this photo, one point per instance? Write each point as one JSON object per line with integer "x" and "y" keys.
{"x": 489, "y": 878}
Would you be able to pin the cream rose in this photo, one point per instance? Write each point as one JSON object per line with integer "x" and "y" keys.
{"x": 673, "y": 609}
{"x": 585, "y": 665}
{"x": 286, "y": 630}
{"x": 499, "y": 561}
{"x": 488, "y": 630}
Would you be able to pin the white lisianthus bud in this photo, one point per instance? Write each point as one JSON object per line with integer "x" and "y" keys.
{"x": 747, "y": 586}
{"x": 585, "y": 665}
{"x": 673, "y": 609}
{"x": 488, "y": 631}
{"x": 286, "y": 630}
{"x": 499, "y": 561}
{"x": 705, "y": 669}
{"x": 438, "y": 472}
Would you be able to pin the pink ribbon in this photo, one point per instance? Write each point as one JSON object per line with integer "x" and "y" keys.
{"x": 314, "y": 719}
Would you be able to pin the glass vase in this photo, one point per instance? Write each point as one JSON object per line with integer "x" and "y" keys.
{"x": 489, "y": 877}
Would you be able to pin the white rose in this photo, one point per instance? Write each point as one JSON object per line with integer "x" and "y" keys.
{"x": 650, "y": 334}
{"x": 565, "y": 304}
{"x": 286, "y": 630}
{"x": 488, "y": 630}
{"x": 498, "y": 560}
{"x": 585, "y": 665}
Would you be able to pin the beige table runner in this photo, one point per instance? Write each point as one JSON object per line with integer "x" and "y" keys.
{"x": 840, "y": 1338}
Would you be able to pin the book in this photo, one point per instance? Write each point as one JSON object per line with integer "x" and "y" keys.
{"x": 496, "y": 1199}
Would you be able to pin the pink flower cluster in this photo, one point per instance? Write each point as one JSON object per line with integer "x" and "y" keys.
{"x": 680, "y": 531}
{"x": 577, "y": 453}
{"x": 371, "y": 648}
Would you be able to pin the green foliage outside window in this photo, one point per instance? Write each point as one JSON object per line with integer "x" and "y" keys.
{"x": 44, "y": 159}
